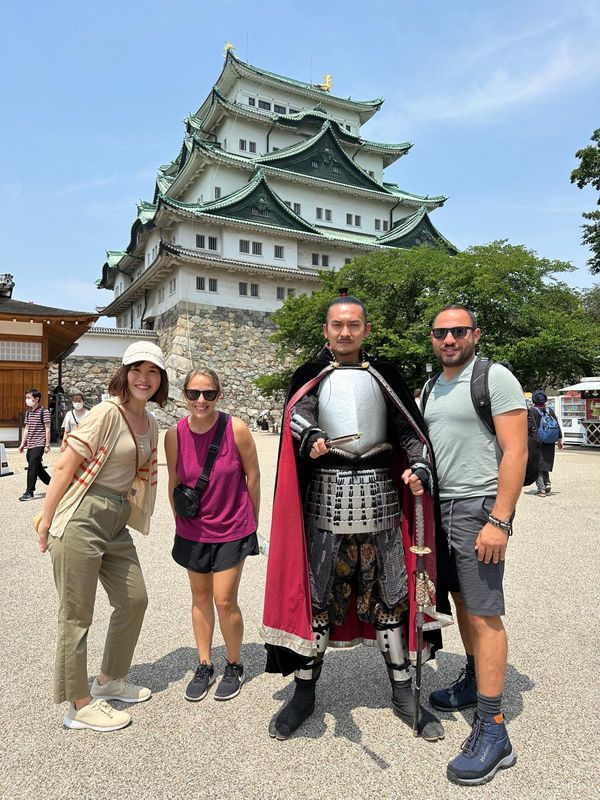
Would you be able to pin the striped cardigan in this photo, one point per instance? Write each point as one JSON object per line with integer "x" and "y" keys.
{"x": 95, "y": 438}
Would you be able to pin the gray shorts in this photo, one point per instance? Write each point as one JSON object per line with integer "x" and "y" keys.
{"x": 479, "y": 584}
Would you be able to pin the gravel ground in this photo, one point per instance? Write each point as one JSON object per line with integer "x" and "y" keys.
{"x": 352, "y": 746}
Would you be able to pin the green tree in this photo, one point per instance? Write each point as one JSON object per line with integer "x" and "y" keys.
{"x": 591, "y": 302}
{"x": 527, "y": 316}
{"x": 588, "y": 173}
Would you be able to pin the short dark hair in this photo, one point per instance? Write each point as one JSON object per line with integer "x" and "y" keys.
{"x": 348, "y": 300}
{"x": 34, "y": 393}
{"x": 457, "y": 307}
{"x": 118, "y": 385}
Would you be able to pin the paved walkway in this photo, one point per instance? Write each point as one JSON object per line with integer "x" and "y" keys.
{"x": 353, "y": 747}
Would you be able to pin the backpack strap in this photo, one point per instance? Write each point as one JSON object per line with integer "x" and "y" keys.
{"x": 427, "y": 391}
{"x": 480, "y": 392}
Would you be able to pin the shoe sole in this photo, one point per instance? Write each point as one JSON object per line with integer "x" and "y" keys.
{"x": 202, "y": 696}
{"x": 122, "y": 699}
{"x": 508, "y": 761}
{"x": 235, "y": 694}
{"x": 79, "y": 726}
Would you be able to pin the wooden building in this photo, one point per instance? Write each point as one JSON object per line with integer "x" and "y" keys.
{"x": 31, "y": 338}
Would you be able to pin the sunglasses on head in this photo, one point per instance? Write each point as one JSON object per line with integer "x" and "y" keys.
{"x": 459, "y": 332}
{"x": 209, "y": 394}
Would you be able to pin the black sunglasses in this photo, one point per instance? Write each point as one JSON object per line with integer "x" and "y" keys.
{"x": 459, "y": 332}
{"x": 209, "y": 394}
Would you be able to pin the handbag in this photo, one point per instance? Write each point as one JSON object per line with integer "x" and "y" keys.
{"x": 186, "y": 499}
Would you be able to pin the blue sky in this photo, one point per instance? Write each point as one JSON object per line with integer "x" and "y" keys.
{"x": 496, "y": 97}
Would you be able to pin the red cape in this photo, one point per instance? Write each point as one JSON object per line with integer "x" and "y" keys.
{"x": 287, "y": 616}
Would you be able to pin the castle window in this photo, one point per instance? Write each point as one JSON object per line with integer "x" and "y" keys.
{"x": 371, "y": 173}
{"x": 244, "y": 245}
{"x": 281, "y": 292}
{"x": 251, "y": 101}
{"x": 357, "y": 220}
{"x": 172, "y": 287}
{"x": 252, "y": 147}
{"x": 297, "y": 208}
{"x": 377, "y": 224}
{"x": 212, "y": 284}
{"x": 279, "y": 109}
{"x": 328, "y": 214}
{"x": 200, "y": 283}
{"x": 161, "y": 294}
{"x": 264, "y": 105}
{"x": 278, "y": 251}
{"x": 287, "y": 203}
{"x": 314, "y": 163}
{"x": 138, "y": 310}
{"x": 254, "y": 290}
{"x": 319, "y": 213}
{"x": 335, "y": 168}
{"x": 324, "y": 261}
{"x": 291, "y": 292}
{"x": 257, "y": 248}
{"x": 243, "y": 144}
{"x": 200, "y": 241}
{"x": 315, "y": 259}
{"x": 386, "y": 225}
{"x": 212, "y": 243}
{"x": 217, "y": 192}
{"x": 260, "y": 212}
{"x": 243, "y": 287}
{"x": 348, "y": 219}
{"x": 347, "y": 261}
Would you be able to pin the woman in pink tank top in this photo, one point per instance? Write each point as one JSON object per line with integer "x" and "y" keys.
{"x": 213, "y": 546}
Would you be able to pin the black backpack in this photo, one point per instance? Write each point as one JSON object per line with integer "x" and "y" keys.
{"x": 480, "y": 395}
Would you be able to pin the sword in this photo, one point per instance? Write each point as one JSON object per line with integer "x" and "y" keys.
{"x": 342, "y": 439}
{"x": 421, "y": 595}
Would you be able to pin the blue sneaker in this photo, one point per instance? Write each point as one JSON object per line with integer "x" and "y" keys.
{"x": 486, "y": 750}
{"x": 462, "y": 693}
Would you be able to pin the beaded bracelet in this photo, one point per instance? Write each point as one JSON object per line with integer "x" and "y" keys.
{"x": 500, "y": 523}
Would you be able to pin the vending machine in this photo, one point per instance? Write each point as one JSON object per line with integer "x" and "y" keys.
{"x": 578, "y": 409}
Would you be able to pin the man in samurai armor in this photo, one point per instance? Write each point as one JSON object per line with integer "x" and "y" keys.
{"x": 340, "y": 569}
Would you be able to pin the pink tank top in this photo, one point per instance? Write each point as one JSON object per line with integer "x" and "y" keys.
{"x": 226, "y": 511}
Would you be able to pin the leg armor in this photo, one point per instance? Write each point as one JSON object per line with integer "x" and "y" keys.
{"x": 302, "y": 704}
{"x": 392, "y": 641}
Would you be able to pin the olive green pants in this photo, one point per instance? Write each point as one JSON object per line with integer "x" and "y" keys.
{"x": 96, "y": 545}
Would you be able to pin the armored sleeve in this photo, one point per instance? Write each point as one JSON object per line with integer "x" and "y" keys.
{"x": 412, "y": 445}
{"x": 304, "y": 424}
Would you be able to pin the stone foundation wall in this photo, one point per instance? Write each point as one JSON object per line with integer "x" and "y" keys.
{"x": 233, "y": 342}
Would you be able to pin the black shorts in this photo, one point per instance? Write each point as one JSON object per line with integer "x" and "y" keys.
{"x": 209, "y": 557}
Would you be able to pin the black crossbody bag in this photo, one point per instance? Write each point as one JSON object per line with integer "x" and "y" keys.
{"x": 186, "y": 499}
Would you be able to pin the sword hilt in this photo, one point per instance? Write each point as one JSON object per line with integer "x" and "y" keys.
{"x": 420, "y": 551}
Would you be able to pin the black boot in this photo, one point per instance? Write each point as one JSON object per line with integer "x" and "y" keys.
{"x": 293, "y": 714}
{"x": 403, "y": 702}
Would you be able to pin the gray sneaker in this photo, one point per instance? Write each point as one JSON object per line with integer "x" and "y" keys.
{"x": 230, "y": 684}
{"x": 197, "y": 688}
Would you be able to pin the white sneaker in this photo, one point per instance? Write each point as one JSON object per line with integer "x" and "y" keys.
{"x": 98, "y": 716}
{"x": 120, "y": 689}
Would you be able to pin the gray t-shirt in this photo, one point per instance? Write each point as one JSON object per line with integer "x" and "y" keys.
{"x": 467, "y": 455}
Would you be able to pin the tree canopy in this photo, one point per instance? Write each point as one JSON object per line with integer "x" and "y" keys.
{"x": 526, "y": 315}
{"x": 588, "y": 173}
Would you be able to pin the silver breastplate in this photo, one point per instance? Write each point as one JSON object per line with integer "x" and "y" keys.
{"x": 351, "y": 401}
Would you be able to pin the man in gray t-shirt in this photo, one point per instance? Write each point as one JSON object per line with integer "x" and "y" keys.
{"x": 480, "y": 478}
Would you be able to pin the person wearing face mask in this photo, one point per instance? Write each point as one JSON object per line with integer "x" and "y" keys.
{"x": 36, "y": 440}
{"x": 76, "y": 415}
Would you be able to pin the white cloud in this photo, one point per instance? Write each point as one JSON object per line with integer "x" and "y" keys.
{"x": 509, "y": 86}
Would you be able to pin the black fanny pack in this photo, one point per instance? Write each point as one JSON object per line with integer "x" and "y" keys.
{"x": 186, "y": 499}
